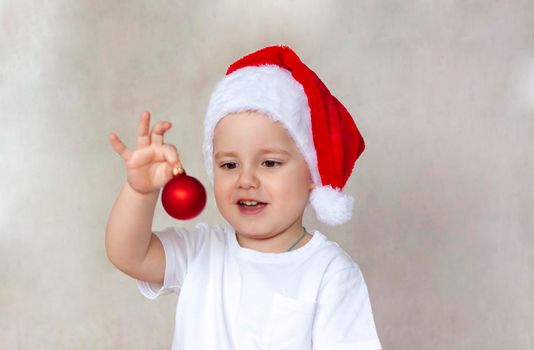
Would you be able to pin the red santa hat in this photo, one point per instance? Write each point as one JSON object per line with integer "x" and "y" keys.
{"x": 275, "y": 82}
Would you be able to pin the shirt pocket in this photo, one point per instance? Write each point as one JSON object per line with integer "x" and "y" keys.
{"x": 289, "y": 324}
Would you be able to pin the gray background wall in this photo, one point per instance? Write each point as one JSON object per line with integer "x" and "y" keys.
{"x": 442, "y": 91}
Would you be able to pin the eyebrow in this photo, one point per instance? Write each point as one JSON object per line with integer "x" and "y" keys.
{"x": 261, "y": 151}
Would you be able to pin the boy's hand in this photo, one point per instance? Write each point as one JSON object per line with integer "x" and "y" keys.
{"x": 150, "y": 166}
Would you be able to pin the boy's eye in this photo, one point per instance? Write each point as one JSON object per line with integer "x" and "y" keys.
{"x": 232, "y": 165}
{"x": 268, "y": 164}
{"x": 271, "y": 163}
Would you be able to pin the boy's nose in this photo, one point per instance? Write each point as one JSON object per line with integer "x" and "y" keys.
{"x": 247, "y": 178}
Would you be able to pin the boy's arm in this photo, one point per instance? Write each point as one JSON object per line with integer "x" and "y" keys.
{"x": 130, "y": 244}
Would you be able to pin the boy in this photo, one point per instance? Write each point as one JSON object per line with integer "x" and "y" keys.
{"x": 274, "y": 140}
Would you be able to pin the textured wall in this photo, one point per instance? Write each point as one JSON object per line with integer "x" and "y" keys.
{"x": 443, "y": 93}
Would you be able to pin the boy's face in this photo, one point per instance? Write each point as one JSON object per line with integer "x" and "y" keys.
{"x": 279, "y": 178}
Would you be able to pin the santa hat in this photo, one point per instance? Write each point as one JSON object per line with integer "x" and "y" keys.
{"x": 274, "y": 81}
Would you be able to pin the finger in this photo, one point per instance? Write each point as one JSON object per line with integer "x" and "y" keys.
{"x": 119, "y": 147}
{"x": 171, "y": 156}
{"x": 143, "y": 138}
{"x": 159, "y": 129}
{"x": 172, "y": 160}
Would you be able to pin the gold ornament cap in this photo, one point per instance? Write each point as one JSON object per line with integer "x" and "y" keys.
{"x": 177, "y": 170}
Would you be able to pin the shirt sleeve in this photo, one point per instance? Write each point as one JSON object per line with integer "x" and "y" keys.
{"x": 180, "y": 245}
{"x": 344, "y": 318}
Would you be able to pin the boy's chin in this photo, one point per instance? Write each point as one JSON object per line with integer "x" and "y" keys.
{"x": 251, "y": 231}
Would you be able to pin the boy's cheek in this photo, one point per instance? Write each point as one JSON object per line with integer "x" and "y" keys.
{"x": 223, "y": 177}
{"x": 222, "y": 187}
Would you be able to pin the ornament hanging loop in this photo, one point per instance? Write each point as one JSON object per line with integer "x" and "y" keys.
{"x": 178, "y": 170}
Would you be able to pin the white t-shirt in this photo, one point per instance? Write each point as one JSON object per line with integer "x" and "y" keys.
{"x": 235, "y": 298}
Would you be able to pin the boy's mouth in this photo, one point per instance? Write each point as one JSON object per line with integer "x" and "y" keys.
{"x": 250, "y": 203}
{"x": 250, "y": 206}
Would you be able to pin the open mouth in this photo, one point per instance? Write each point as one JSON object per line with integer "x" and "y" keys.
{"x": 251, "y": 204}
{"x": 251, "y": 207}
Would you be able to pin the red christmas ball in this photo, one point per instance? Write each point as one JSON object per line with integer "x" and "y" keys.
{"x": 183, "y": 197}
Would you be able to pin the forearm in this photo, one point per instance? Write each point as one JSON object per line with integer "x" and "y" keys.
{"x": 129, "y": 228}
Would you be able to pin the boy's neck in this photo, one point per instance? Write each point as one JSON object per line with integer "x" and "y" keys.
{"x": 276, "y": 244}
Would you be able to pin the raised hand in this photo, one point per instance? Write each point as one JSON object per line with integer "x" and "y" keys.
{"x": 150, "y": 166}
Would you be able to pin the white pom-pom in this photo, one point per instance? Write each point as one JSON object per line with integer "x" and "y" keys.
{"x": 331, "y": 207}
